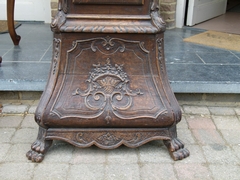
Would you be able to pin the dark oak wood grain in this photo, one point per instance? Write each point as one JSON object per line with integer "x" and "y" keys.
{"x": 108, "y": 84}
{"x": 10, "y": 20}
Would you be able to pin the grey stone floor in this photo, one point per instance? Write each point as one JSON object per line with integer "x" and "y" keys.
{"x": 191, "y": 68}
{"x": 211, "y": 134}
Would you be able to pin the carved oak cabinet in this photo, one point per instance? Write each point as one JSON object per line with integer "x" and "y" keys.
{"x": 108, "y": 84}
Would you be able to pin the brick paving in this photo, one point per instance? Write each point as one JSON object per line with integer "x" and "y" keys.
{"x": 211, "y": 133}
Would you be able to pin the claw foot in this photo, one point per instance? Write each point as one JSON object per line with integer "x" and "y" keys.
{"x": 180, "y": 154}
{"x": 176, "y": 149}
{"x": 39, "y": 147}
{"x": 34, "y": 156}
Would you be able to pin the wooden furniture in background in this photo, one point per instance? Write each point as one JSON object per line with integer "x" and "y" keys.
{"x": 108, "y": 84}
{"x": 10, "y": 18}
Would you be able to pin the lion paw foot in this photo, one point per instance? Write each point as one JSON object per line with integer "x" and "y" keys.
{"x": 34, "y": 156}
{"x": 180, "y": 154}
{"x": 38, "y": 146}
{"x": 174, "y": 144}
{"x": 176, "y": 149}
{"x": 38, "y": 149}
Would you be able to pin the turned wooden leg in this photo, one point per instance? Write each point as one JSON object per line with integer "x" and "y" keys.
{"x": 176, "y": 147}
{"x": 10, "y": 20}
{"x": 39, "y": 147}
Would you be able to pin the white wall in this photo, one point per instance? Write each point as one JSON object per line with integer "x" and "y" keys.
{"x": 28, "y": 10}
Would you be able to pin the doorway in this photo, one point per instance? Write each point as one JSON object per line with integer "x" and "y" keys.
{"x": 227, "y": 19}
{"x": 198, "y": 11}
{"x": 228, "y": 22}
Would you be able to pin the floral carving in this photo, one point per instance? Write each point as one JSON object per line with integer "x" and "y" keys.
{"x": 107, "y": 84}
{"x": 108, "y": 139}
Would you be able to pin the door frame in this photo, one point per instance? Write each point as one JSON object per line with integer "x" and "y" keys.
{"x": 180, "y": 13}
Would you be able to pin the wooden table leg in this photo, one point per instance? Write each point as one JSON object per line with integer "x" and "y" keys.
{"x": 0, "y": 60}
{"x": 10, "y": 19}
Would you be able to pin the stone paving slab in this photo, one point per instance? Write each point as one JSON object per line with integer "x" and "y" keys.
{"x": 15, "y": 109}
{"x": 225, "y": 111}
{"x": 192, "y": 171}
{"x": 211, "y": 137}
{"x": 51, "y": 171}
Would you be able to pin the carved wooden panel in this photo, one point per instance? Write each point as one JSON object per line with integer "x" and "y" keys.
{"x": 108, "y": 78}
{"x": 127, "y": 2}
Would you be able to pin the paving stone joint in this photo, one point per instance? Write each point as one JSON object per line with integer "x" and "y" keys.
{"x": 211, "y": 134}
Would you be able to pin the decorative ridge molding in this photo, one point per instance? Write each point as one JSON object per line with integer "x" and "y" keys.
{"x": 119, "y": 23}
{"x": 103, "y": 16}
{"x": 103, "y": 27}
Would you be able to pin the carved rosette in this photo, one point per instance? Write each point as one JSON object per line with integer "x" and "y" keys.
{"x": 109, "y": 84}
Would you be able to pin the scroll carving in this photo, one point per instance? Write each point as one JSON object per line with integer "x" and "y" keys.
{"x": 111, "y": 45}
{"x": 109, "y": 84}
{"x": 156, "y": 18}
{"x": 60, "y": 18}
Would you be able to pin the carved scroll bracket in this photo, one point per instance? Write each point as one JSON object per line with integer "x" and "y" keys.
{"x": 60, "y": 17}
{"x": 156, "y": 18}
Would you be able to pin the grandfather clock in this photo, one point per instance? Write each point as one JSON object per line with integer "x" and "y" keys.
{"x": 108, "y": 84}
